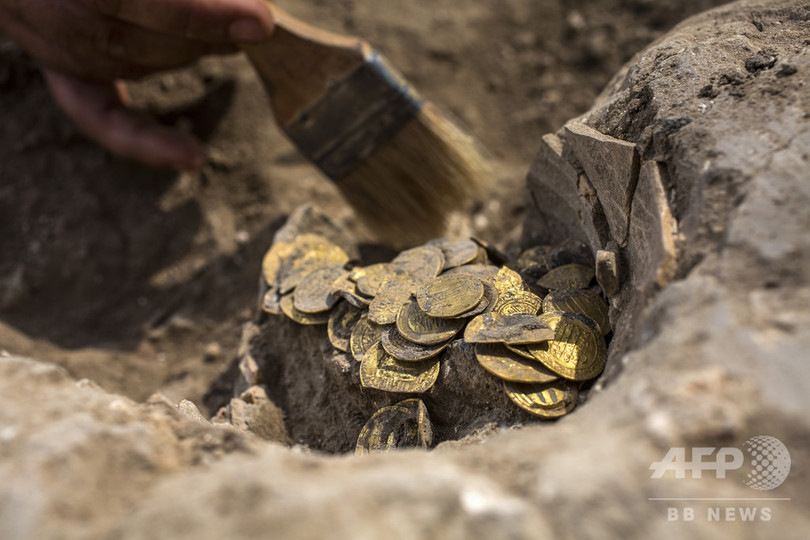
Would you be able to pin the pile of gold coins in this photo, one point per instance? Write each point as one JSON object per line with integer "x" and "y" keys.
{"x": 538, "y": 324}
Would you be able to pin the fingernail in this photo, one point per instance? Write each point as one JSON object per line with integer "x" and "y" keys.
{"x": 247, "y": 30}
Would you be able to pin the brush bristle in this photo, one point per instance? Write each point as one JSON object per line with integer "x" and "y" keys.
{"x": 407, "y": 187}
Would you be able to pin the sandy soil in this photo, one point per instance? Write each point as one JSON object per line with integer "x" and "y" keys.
{"x": 140, "y": 279}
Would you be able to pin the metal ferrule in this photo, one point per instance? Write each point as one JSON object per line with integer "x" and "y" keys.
{"x": 358, "y": 113}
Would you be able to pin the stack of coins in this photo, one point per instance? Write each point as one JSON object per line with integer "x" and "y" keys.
{"x": 537, "y": 323}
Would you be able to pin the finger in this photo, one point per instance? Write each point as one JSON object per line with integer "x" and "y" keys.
{"x": 94, "y": 46}
{"x": 205, "y": 20}
{"x": 98, "y": 110}
{"x": 131, "y": 44}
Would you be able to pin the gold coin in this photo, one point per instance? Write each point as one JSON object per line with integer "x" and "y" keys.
{"x": 486, "y": 303}
{"x": 535, "y": 256}
{"x": 521, "y": 350}
{"x": 420, "y": 263}
{"x": 273, "y": 261}
{"x": 300, "y": 317}
{"x": 583, "y": 301}
{"x": 417, "y": 326}
{"x": 310, "y": 252}
{"x": 517, "y": 329}
{"x": 577, "y": 351}
{"x": 402, "y": 349}
{"x": 510, "y": 303}
{"x": 569, "y": 276}
{"x": 503, "y": 363}
{"x": 365, "y": 335}
{"x": 271, "y": 301}
{"x": 314, "y": 293}
{"x": 508, "y": 281}
{"x": 456, "y": 252}
{"x": 373, "y": 277}
{"x": 404, "y": 425}
{"x": 347, "y": 289}
{"x": 484, "y": 272}
{"x": 341, "y": 323}
{"x": 578, "y": 316}
{"x": 482, "y": 306}
{"x": 390, "y": 299}
{"x": 546, "y": 400}
{"x": 357, "y": 272}
{"x": 381, "y": 371}
{"x": 450, "y": 295}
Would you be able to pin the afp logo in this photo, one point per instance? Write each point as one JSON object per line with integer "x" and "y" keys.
{"x": 765, "y": 462}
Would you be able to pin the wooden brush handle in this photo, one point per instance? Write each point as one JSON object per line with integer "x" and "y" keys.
{"x": 299, "y": 63}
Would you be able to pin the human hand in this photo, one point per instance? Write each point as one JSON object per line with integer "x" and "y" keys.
{"x": 86, "y": 47}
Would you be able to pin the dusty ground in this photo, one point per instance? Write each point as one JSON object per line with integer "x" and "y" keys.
{"x": 140, "y": 279}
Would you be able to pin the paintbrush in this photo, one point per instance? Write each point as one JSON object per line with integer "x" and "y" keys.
{"x": 401, "y": 163}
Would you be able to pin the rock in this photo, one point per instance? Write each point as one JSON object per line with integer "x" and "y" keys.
{"x": 74, "y": 459}
{"x": 612, "y": 166}
{"x": 253, "y": 412}
{"x": 565, "y": 202}
{"x": 651, "y": 250}
{"x": 607, "y": 270}
{"x": 190, "y": 411}
{"x": 248, "y": 367}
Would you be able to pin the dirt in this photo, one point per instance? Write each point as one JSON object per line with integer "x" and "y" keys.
{"x": 141, "y": 279}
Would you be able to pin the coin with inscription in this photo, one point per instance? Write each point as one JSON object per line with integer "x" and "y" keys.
{"x": 546, "y": 400}
{"x": 517, "y": 329}
{"x": 420, "y": 263}
{"x": 402, "y": 349}
{"x": 457, "y": 252}
{"x": 569, "y": 276}
{"x": 365, "y": 335}
{"x": 482, "y": 306}
{"x": 503, "y": 363}
{"x": 484, "y": 272}
{"x": 450, "y": 295}
{"x": 419, "y": 327}
{"x": 381, "y": 371}
{"x": 508, "y": 281}
{"x": 577, "y": 351}
{"x": 512, "y": 302}
{"x": 404, "y": 425}
{"x": 310, "y": 252}
{"x": 536, "y": 256}
{"x": 582, "y": 301}
{"x": 341, "y": 323}
{"x": 371, "y": 278}
{"x": 300, "y": 317}
{"x": 390, "y": 298}
{"x": 314, "y": 293}
{"x": 273, "y": 260}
